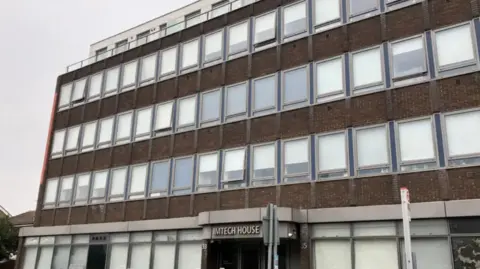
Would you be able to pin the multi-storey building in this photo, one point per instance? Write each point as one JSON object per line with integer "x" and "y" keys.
{"x": 165, "y": 149}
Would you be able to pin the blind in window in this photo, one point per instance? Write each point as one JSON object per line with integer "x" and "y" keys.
{"x": 416, "y": 140}
{"x": 106, "y": 129}
{"x": 376, "y": 254}
{"x": 140, "y": 256}
{"x": 144, "y": 121}
{"x": 123, "y": 125}
{"x": 60, "y": 257}
{"x": 164, "y": 256}
{"x": 187, "y": 111}
{"x": 294, "y": 13}
{"x": 326, "y": 10}
{"x": 111, "y": 83}
{"x": 330, "y": 76}
{"x": 95, "y": 87}
{"x": 208, "y": 163}
{"x": 118, "y": 181}
{"x": 190, "y": 54}
{"x": 58, "y": 139}
{"x": 72, "y": 137}
{"x": 454, "y": 45}
{"x": 213, "y": 43}
{"x": 332, "y": 152}
{"x": 169, "y": 60}
{"x": 148, "y": 67}
{"x": 189, "y": 255}
{"x": 238, "y": 34}
{"x": 264, "y": 157}
{"x": 372, "y": 147}
{"x": 234, "y": 160}
{"x": 45, "y": 259}
{"x": 367, "y": 67}
{"x": 333, "y": 254}
{"x": 30, "y": 257}
{"x": 118, "y": 256}
{"x": 89, "y": 131}
{"x": 296, "y": 151}
{"x": 163, "y": 118}
{"x": 51, "y": 191}
{"x": 129, "y": 73}
{"x": 265, "y": 23}
{"x": 65, "y": 94}
{"x": 139, "y": 175}
{"x": 462, "y": 133}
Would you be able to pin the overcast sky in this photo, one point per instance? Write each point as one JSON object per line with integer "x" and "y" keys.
{"x": 38, "y": 40}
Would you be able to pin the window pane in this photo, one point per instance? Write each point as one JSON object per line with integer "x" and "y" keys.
{"x": 118, "y": 181}
{"x": 326, "y": 11}
{"x": 139, "y": 177}
{"x": 330, "y": 76}
{"x": 169, "y": 60}
{"x": 60, "y": 257}
{"x": 72, "y": 138}
{"x": 183, "y": 173}
{"x": 454, "y": 45}
{"x": 358, "y": 7}
{"x": 163, "y": 118}
{"x": 333, "y": 254}
{"x": 66, "y": 189}
{"x": 234, "y": 165}
{"x": 190, "y": 54}
{"x": 111, "y": 83}
{"x": 264, "y": 93}
{"x": 124, "y": 124}
{"x": 367, "y": 67}
{"x": 211, "y": 106}
{"x": 331, "y": 230}
{"x": 29, "y": 258}
{"x": 129, "y": 74}
{"x": 58, "y": 139}
{"x": 430, "y": 253}
{"x": 89, "y": 132}
{"x": 265, "y": 28}
{"x": 160, "y": 176}
{"x": 45, "y": 257}
{"x": 79, "y": 89}
{"x": 462, "y": 133}
{"x": 106, "y": 129}
{"x": 416, "y": 140}
{"x": 187, "y": 109}
{"x": 82, "y": 187}
{"x": 144, "y": 121}
{"x": 376, "y": 254}
{"x": 95, "y": 87}
{"x": 189, "y": 255}
{"x": 207, "y": 174}
{"x": 99, "y": 184}
{"x": 213, "y": 46}
{"x": 237, "y": 38}
{"x": 148, "y": 67}
{"x": 372, "y": 146}
{"x": 118, "y": 256}
{"x": 264, "y": 161}
{"x": 140, "y": 256}
{"x": 296, "y": 157}
{"x": 295, "y": 19}
{"x": 78, "y": 256}
{"x": 296, "y": 86}
{"x": 65, "y": 94}
{"x": 236, "y": 100}
{"x": 378, "y": 228}
{"x": 51, "y": 191}
{"x": 332, "y": 152}
{"x": 408, "y": 57}
{"x": 164, "y": 256}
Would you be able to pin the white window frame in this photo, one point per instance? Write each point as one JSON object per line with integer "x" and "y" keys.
{"x": 363, "y": 15}
{"x": 210, "y": 62}
{"x": 144, "y": 135}
{"x": 149, "y": 80}
{"x": 299, "y": 103}
{"x": 332, "y": 173}
{"x": 184, "y": 69}
{"x": 412, "y": 164}
{"x": 173, "y": 178}
{"x": 413, "y": 78}
{"x": 397, "y": 4}
{"x": 283, "y": 159}
{"x": 130, "y": 86}
{"x": 334, "y": 95}
{"x": 328, "y": 24}
{"x": 263, "y": 181}
{"x": 123, "y": 140}
{"x": 236, "y": 54}
{"x": 58, "y": 154}
{"x": 210, "y": 122}
{"x": 121, "y": 46}
{"x": 100, "y": 144}
{"x": 117, "y": 197}
{"x": 299, "y": 34}
{"x": 91, "y": 97}
{"x": 94, "y": 200}
{"x": 74, "y": 150}
{"x": 267, "y": 110}
{"x": 51, "y": 204}
{"x": 237, "y": 116}
{"x": 164, "y": 131}
{"x": 65, "y": 90}
{"x": 267, "y": 43}
{"x": 59, "y": 191}
{"x": 371, "y": 87}
{"x": 159, "y": 193}
{"x": 180, "y": 128}
{"x": 78, "y": 100}
{"x": 243, "y": 181}
{"x": 89, "y": 147}
{"x": 137, "y": 195}
{"x": 212, "y": 187}
{"x": 168, "y": 74}
{"x": 141, "y": 38}
{"x": 109, "y": 92}
{"x": 384, "y": 168}
{"x": 75, "y": 189}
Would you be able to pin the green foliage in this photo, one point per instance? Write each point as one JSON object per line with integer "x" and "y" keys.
{"x": 8, "y": 238}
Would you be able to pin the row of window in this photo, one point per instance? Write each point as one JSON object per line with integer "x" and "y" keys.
{"x": 410, "y": 145}
{"x": 163, "y": 250}
{"x": 454, "y": 49}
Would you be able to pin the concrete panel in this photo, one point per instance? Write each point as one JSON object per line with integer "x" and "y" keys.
{"x": 163, "y": 224}
{"x": 462, "y": 208}
{"x": 203, "y": 218}
{"x": 233, "y": 216}
{"x": 99, "y": 228}
{"x": 39, "y": 231}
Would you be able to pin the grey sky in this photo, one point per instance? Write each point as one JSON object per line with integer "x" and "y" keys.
{"x": 38, "y": 40}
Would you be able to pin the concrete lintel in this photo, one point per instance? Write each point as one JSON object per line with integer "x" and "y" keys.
{"x": 163, "y": 224}
{"x": 235, "y": 216}
{"x": 462, "y": 208}
{"x": 40, "y": 231}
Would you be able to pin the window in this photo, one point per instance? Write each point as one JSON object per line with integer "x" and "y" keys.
{"x": 327, "y": 13}
{"x": 296, "y": 160}
{"x": 117, "y": 184}
{"x": 142, "y": 38}
{"x": 57, "y": 143}
{"x": 295, "y": 88}
{"x": 263, "y": 164}
{"x": 187, "y": 108}
{"x": 82, "y": 185}
{"x": 65, "y": 192}
{"x": 294, "y": 19}
{"x": 220, "y": 8}
{"x": 88, "y": 136}
{"x": 169, "y": 61}
{"x": 45, "y": 257}
{"x": 417, "y": 150}
{"x": 430, "y": 253}
{"x": 330, "y": 79}
{"x": 265, "y": 30}
{"x": 333, "y": 254}
{"x": 129, "y": 75}
{"x": 207, "y": 172}
{"x": 163, "y": 118}
{"x": 210, "y": 108}
{"x": 143, "y": 123}
{"x": 189, "y": 255}
{"x": 50, "y": 192}
{"x": 190, "y": 54}
{"x": 95, "y": 86}
{"x": 140, "y": 250}
{"x": 193, "y": 18}
{"x": 138, "y": 179}
{"x": 111, "y": 81}
{"x": 213, "y": 47}
{"x": 238, "y": 38}
{"x": 78, "y": 256}
{"x": 99, "y": 185}
{"x": 105, "y": 133}
{"x": 233, "y": 168}
{"x": 367, "y": 69}
{"x": 65, "y": 94}
{"x": 101, "y": 54}
{"x": 461, "y": 132}
{"x": 236, "y": 101}
{"x": 121, "y": 46}
{"x": 372, "y": 150}
{"x": 164, "y": 256}
{"x": 264, "y": 95}
{"x": 79, "y": 90}
{"x": 72, "y": 139}
{"x": 124, "y": 127}
{"x": 160, "y": 178}
{"x": 183, "y": 175}
{"x": 385, "y": 252}
{"x": 409, "y": 60}
{"x": 362, "y": 8}
{"x": 454, "y": 48}
{"x": 60, "y": 257}
{"x": 118, "y": 251}
{"x": 147, "y": 69}
{"x": 332, "y": 155}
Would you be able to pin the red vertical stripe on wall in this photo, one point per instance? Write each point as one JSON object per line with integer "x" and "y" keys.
{"x": 49, "y": 136}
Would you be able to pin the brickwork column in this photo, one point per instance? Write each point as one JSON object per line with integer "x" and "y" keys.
{"x": 305, "y": 246}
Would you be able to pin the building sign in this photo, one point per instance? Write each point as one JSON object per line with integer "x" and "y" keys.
{"x": 241, "y": 230}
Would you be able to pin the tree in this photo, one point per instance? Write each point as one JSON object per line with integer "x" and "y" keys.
{"x": 8, "y": 239}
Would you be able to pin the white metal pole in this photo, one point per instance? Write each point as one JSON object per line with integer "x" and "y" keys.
{"x": 406, "y": 218}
